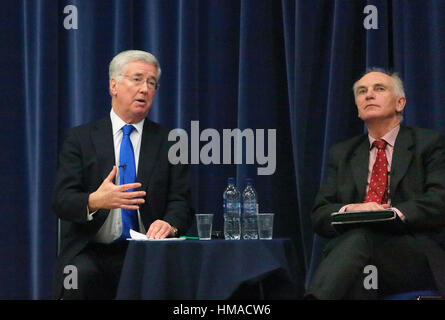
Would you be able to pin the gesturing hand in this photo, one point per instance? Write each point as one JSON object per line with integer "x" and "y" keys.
{"x": 111, "y": 196}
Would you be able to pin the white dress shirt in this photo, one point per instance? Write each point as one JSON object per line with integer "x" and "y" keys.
{"x": 112, "y": 227}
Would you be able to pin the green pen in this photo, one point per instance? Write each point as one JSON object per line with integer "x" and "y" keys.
{"x": 190, "y": 238}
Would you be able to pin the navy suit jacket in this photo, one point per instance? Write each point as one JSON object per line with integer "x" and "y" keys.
{"x": 86, "y": 159}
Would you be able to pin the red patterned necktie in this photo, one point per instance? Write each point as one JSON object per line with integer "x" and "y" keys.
{"x": 378, "y": 186}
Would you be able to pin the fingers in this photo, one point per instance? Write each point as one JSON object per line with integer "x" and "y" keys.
{"x": 116, "y": 198}
{"x": 159, "y": 230}
{"x": 129, "y": 207}
{"x": 112, "y": 174}
{"x": 130, "y": 200}
{"x": 374, "y": 206}
{"x": 130, "y": 203}
{"x": 111, "y": 196}
{"x": 128, "y": 186}
{"x": 133, "y": 194}
{"x": 381, "y": 206}
{"x": 367, "y": 206}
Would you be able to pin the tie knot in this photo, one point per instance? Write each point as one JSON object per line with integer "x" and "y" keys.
{"x": 380, "y": 144}
{"x": 127, "y": 129}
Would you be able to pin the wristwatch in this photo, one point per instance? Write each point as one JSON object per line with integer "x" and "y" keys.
{"x": 175, "y": 231}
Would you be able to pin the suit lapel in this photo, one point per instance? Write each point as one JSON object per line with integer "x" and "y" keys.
{"x": 102, "y": 136}
{"x": 401, "y": 158}
{"x": 360, "y": 163}
{"x": 150, "y": 144}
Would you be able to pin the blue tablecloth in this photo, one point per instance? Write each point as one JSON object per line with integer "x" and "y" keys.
{"x": 212, "y": 269}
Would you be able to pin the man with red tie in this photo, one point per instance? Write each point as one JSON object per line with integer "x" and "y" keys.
{"x": 392, "y": 166}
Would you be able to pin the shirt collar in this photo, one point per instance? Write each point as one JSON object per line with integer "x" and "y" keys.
{"x": 117, "y": 123}
{"x": 389, "y": 137}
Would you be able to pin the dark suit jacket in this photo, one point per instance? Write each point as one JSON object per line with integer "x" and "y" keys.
{"x": 417, "y": 186}
{"x": 87, "y": 157}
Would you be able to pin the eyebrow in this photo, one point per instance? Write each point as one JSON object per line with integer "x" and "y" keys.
{"x": 374, "y": 85}
{"x": 139, "y": 74}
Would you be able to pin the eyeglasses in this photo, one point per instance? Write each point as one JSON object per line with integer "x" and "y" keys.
{"x": 137, "y": 81}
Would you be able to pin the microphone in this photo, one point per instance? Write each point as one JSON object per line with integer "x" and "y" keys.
{"x": 123, "y": 166}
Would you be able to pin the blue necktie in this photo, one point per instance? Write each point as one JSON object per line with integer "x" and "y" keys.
{"x": 127, "y": 170}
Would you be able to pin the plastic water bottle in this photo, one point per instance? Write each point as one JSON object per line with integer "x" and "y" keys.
{"x": 232, "y": 211}
{"x": 250, "y": 212}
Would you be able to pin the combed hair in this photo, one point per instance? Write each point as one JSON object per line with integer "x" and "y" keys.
{"x": 118, "y": 63}
{"x": 398, "y": 83}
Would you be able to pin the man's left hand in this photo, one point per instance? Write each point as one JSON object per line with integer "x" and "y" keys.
{"x": 160, "y": 230}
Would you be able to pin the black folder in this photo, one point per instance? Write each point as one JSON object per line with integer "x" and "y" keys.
{"x": 382, "y": 220}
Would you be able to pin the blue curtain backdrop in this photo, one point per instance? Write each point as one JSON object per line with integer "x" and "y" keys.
{"x": 262, "y": 64}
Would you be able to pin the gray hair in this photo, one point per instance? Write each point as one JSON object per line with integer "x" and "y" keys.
{"x": 397, "y": 81}
{"x": 118, "y": 63}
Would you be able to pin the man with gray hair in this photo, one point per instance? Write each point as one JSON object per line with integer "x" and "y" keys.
{"x": 391, "y": 167}
{"x": 114, "y": 176}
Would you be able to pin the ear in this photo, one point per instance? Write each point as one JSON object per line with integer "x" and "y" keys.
{"x": 400, "y": 104}
{"x": 113, "y": 86}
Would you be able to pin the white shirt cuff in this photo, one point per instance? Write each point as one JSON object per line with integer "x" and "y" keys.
{"x": 399, "y": 213}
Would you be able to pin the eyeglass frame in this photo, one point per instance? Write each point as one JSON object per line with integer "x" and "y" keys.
{"x": 137, "y": 83}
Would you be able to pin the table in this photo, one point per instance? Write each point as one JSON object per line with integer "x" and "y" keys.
{"x": 212, "y": 269}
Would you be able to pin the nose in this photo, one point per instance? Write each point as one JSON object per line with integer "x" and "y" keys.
{"x": 144, "y": 87}
{"x": 370, "y": 94}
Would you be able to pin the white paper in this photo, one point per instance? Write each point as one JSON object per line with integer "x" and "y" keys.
{"x": 137, "y": 235}
{"x": 140, "y": 236}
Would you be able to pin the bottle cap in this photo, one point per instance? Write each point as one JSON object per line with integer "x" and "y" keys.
{"x": 249, "y": 181}
{"x": 231, "y": 180}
